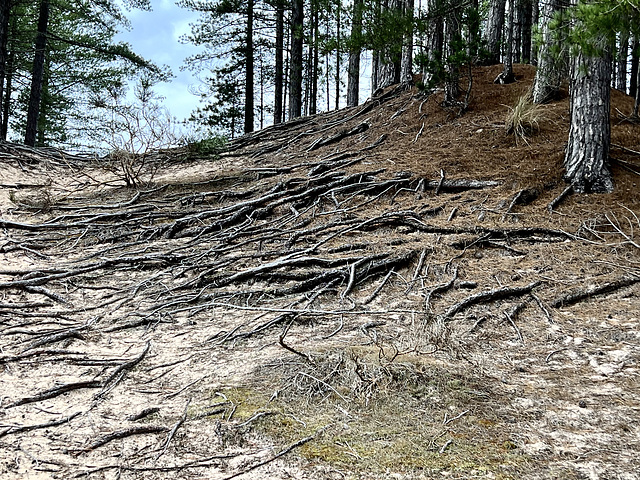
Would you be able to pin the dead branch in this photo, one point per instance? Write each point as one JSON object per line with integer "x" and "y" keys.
{"x": 119, "y": 373}
{"x": 127, "y": 432}
{"x": 56, "y": 391}
{"x": 28, "y": 428}
{"x": 489, "y": 296}
{"x": 579, "y": 295}
{"x": 282, "y": 453}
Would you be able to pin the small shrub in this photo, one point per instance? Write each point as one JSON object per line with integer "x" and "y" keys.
{"x": 207, "y": 146}
{"x": 523, "y": 119}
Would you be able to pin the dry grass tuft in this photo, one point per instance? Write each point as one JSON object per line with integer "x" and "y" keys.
{"x": 523, "y": 119}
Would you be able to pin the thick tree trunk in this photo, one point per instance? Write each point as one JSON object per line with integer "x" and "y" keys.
{"x": 406, "y": 64}
{"x": 493, "y": 37}
{"x": 551, "y": 69}
{"x": 249, "y": 88}
{"x": 37, "y": 76}
{"x": 295, "y": 66}
{"x": 587, "y": 154}
{"x": 353, "y": 80}
{"x": 279, "y": 70}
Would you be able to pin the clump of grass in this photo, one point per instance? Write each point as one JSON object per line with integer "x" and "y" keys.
{"x": 523, "y": 119}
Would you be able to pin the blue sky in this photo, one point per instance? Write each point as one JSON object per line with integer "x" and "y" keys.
{"x": 155, "y": 36}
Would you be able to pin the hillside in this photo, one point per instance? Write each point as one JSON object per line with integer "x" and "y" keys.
{"x": 379, "y": 292}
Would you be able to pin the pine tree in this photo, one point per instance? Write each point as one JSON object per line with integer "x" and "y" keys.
{"x": 296, "y": 63}
{"x": 593, "y": 35}
{"x": 552, "y": 56}
{"x": 493, "y": 32}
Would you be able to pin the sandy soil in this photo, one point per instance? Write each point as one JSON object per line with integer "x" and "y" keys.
{"x": 380, "y": 292}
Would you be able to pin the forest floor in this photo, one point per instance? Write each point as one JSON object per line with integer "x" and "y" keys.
{"x": 379, "y": 292}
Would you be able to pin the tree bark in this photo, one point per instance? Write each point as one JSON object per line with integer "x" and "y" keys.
{"x": 279, "y": 68}
{"x": 435, "y": 47}
{"x": 493, "y": 37}
{"x": 389, "y": 58}
{"x": 338, "y": 27}
{"x": 621, "y": 67}
{"x": 550, "y": 71}
{"x": 295, "y": 65}
{"x": 507, "y": 75}
{"x": 353, "y": 80}
{"x": 406, "y": 64}
{"x": 535, "y": 18}
{"x": 587, "y": 154}
{"x": 316, "y": 60}
{"x": 249, "y": 71}
{"x": 5, "y": 11}
{"x": 452, "y": 33}
{"x": 37, "y": 75}
{"x": 633, "y": 73}
{"x": 527, "y": 22}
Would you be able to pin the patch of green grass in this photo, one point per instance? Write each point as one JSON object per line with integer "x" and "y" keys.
{"x": 393, "y": 419}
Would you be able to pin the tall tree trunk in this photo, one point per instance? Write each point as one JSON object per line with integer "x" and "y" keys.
{"x": 473, "y": 33}
{"x": 551, "y": 70}
{"x": 262, "y": 82}
{"x": 6, "y": 100}
{"x": 406, "y": 64}
{"x": 587, "y": 154}
{"x": 37, "y": 75}
{"x": 5, "y": 11}
{"x": 295, "y": 66}
{"x": 636, "y": 93}
{"x": 432, "y": 71}
{"x": 633, "y": 73}
{"x": 279, "y": 70}
{"x": 535, "y": 17}
{"x": 6, "y": 103}
{"x": 353, "y": 79}
{"x": 527, "y": 21}
{"x": 452, "y": 33}
{"x": 622, "y": 57}
{"x": 249, "y": 72}
{"x": 389, "y": 58}
{"x": 507, "y": 75}
{"x": 316, "y": 60}
{"x": 516, "y": 29}
{"x": 338, "y": 28}
{"x": 493, "y": 37}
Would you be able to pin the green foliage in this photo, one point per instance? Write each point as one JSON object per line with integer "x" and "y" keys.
{"x": 596, "y": 23}
{"x": 82, "y": 62}
{"x": 209, "y": 146}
